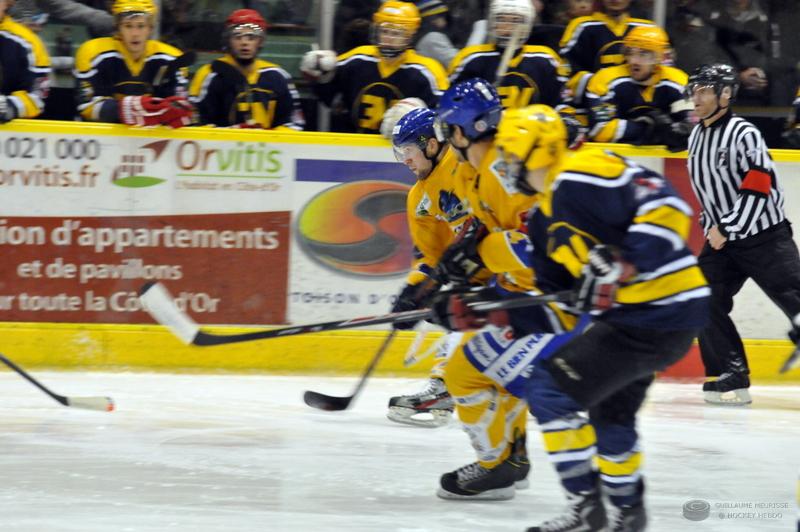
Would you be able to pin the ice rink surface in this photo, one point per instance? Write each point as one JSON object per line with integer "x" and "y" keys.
{"x": 243, "y": 453}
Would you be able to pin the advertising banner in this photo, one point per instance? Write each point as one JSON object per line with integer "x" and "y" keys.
{"x": 88, "y": 219}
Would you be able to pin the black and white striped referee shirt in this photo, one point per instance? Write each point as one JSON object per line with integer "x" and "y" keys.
{"x": 734, "y": 179}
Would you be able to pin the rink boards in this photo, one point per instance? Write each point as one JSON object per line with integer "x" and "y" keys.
{"x": 244, "y": 227}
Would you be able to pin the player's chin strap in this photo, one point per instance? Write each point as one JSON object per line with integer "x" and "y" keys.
{"x": 521, "y": 179}
{"x": 719, "y": 107}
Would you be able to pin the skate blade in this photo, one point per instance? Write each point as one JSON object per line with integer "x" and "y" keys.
{"x": 522, "y": 484}
{"x": 408, "y": 416}
{"x": 499, "y": 494}
{"x": 740, "y": 397}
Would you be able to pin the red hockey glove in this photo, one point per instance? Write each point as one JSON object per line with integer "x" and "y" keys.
{"x": 142, "y": 110}
{"x": 179, "y": 112}
{"x": 452, "y": 312}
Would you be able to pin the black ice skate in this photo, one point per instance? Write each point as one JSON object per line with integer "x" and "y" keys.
{"x": 475, "y": 482}
{"x": 630, "y": 519}
{"x": 432, "y": 407}
{"x": 519, "y": 459}
{"x": 585, "y": 512}
{"x": 730, "y": 388}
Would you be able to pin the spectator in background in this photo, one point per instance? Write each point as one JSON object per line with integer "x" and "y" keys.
{"x": 694, "y": 41}
{"x": 239, "y": 89}
{"x": 432, "y": 39}
{"x": 97, "y": 22}
{"x": 351, "y": 21}
{"x": 24, "y": 69}
{"x": 791, "y": 137}
{"x": 743, "y": 32}
{"x": 130, "y": 78}
{"x": 368, "y": 80}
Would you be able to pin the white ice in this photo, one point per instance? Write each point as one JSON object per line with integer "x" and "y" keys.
{"x": 243, "y": 453}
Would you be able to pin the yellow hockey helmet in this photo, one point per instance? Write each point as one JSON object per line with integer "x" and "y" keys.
{"x": 402, "y": 14}
{"x": 535, "y": 136}
{"x": 123, "y": 8}
{"x": 650, "y": 38}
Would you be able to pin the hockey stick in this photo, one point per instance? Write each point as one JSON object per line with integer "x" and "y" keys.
{"x": 333, "y": 403}
{"x": 87, "y": 403}
{"x": 159, "y": 303}
{"x": 508, "y": 53}
{"x": 167, "y": 71}
{"x": 792, "y": 362}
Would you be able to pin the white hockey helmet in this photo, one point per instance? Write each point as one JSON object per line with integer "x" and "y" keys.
{"x": 504, "y": 15}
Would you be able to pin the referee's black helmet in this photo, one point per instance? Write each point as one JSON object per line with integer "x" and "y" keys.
{"x": 717, "y": 75}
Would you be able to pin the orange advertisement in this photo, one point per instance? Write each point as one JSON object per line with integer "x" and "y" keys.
{"x": 221, "y": 268}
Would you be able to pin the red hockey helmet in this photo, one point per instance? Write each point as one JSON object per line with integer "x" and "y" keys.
{"x": 246, "y": 20}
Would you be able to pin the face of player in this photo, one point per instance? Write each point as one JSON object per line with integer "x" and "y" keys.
{"x": 705, "y": 100}
{"x": 580, "y": 8}
{"x": 616, "y": 7}
{"x": 504, "y": 25}
{"x": 245, "y": 45}
{"x": 641, "y": 63}
{"x": 391, "y": 39}
{"x": 3, "y": 8}
{"x": 411, "y": 156}
{"x": 134, "y": 32}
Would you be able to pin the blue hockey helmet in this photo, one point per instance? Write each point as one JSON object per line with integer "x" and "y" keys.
{"x": 473, "y": 105}
{"x": 415, "y": 128}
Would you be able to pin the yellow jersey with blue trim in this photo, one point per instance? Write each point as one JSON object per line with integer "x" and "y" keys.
{"x": 506, "y": 249}
{"x": 598, "y": 197}
{"x": 25, "y": 69}
{"x": 369, "y": 84}
{"x": 536, "y": 74}
{"x": 615, "y": 100}
{"x": 263, "y": 95}
{"x": 436, "y": 214}
{"x": 107, "y": 72}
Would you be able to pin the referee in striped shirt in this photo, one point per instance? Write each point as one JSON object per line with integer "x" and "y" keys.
{"x": 748, "y": 235}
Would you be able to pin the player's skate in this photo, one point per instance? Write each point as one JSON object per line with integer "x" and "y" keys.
{"x": 519, "y": 459}
{"x": 629, "y": 519}
{"x": 584, "y": 512}
{"x": 432, "y": 407}
{"x": 475, "y": 482}
{"x": 730, "y": 388}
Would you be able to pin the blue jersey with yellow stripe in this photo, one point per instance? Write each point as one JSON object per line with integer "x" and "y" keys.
{"x": 369, "y": 84}
{"x": 615, "y": 100}
{"x": 25, "y": 67}
{"x": 598, "y": 197}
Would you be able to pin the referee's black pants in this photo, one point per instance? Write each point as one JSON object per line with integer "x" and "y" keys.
{"x": 771, "y": 260}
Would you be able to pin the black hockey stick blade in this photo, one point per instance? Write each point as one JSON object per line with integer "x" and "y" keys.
{"x": 87, "y": 403}
{"x": 792, "y": 362}
{"x": 333, "y": 403}
{"x": 166, "y": 72}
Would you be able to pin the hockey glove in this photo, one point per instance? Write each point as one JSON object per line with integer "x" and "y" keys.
{"x": 676, "y": 136}
{"x": 319, "y": 65}
{"x": 655, "y": 124}
{"x": 142, "y": 110}
{"x": 452, "y": 312}
{"x": 179, "y": 112}
{"x": 461, "y": 261}
{"x": 412, "y": 297}
{"x": 600, "y": 279}
{"x": 7, "y": 110}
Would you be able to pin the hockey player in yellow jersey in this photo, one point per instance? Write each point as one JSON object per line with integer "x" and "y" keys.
{"x": 436, "y": 214}
{"x": 642, "y": 101}
{"x": 621, "y": 232}
{"x": 494, "y": 419}
{"x": 240, "y": 89}
{"x": 24, "y": 69}
{"x": 535, "y": 74}
{"x": 130, "y": 78}
{"x": 595, "y": 41}
{"x": 366, "y": 81}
